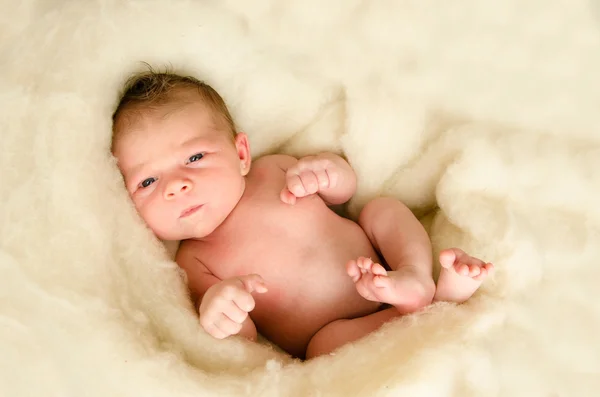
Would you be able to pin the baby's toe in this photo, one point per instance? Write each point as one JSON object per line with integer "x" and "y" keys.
{"x": 448, "y": 258}
{"x": 474, "y": 271}
{"x": 364, "y": 263}
{"x": 353, "y": 270}
{"x": 486, "y": 270}
{"x": 381, "y": 281}
{"x": 367, "y": 265}
{"x": 377, "y": 269}
{"x": 461, "y": 269}
{"x": 482, "y": 275}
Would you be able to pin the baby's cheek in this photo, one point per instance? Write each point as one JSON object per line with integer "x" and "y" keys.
{"x": 150, "y": 213}
{"x": 160, "y": 227}
{"x": 142, "y": 208}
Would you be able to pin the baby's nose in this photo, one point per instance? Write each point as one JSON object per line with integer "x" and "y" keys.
{"x": 177, "y": 187}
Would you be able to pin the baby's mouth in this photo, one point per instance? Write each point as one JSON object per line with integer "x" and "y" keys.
{"x": 189, "y": 211}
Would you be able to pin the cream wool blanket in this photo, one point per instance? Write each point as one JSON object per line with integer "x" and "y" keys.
{"x": 483, "y": 116}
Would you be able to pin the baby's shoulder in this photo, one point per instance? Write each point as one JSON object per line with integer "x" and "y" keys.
{"x": 275, "y": 161}
{"x": 267, "y": 176}
{"x": 187, "y": 256}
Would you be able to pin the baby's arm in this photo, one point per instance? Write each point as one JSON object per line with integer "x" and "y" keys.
{"x": 200, "y": 281}
{"x": 327, "y": 174}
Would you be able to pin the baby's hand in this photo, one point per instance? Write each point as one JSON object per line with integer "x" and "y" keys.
{"x": 225, "y": 305}
{"x": 308, "y": 176}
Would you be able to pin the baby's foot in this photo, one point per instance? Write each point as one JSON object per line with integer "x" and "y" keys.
{"x": 461, "y": 275}
{"x": 407, "y": 289}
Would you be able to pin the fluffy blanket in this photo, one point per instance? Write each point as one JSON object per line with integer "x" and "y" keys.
{"x": 481, "y": 115}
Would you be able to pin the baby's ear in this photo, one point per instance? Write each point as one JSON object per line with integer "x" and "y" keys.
{"x": 243, "y": 151}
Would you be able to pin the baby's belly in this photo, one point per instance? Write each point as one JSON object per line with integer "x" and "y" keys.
{"x": 291, "y": 317}
{"x": 308, "y": 284}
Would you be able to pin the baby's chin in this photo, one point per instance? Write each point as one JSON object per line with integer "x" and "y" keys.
{"x": 197, "y": 232}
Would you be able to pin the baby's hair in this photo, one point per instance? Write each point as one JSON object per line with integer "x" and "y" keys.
{"x": 151, "y": 89}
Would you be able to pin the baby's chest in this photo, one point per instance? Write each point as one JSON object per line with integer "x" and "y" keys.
{"x": 270, "y": 238}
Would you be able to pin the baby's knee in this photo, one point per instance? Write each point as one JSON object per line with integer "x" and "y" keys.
{"x": 327, "y": 339}
{"x": 380, "y": 209}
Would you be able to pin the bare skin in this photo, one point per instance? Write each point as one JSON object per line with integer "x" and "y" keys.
{"x": 262, "y": 249}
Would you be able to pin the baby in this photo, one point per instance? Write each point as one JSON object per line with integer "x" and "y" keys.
{"x": 261, "y": 247}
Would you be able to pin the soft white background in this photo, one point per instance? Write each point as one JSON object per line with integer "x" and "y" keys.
{"x": 483, "y": 116}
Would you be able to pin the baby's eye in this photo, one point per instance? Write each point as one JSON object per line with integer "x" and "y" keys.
{"x": 147, "y": 182}
{"x": 195, "y": 157}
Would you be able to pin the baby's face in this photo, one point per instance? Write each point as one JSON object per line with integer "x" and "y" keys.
{"x": 183, "y": 172}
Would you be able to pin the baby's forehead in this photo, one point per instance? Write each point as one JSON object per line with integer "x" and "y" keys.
{"x": 146, "y": 119}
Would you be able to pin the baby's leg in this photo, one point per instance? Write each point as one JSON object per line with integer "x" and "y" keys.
{"x": 341, "y": 332}
{"x": 401, "y": 239}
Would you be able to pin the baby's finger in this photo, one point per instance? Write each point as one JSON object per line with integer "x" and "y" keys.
{"x": 295, "y": 186}
{"x": 227, "y": 325}
{"x": 333, "y": 176}
{"x": 216, "y": 332}
{"x": 287, "y": 197}
{"x": 211, "y": 328}
{"x": 253, "y": 282}
{"x": 232, "y": 311}
{"x": 309, "y": 181}
{"x": 305, "y": 163}
{"x": 245, "y": 302}
{"x": 322, "y": 178}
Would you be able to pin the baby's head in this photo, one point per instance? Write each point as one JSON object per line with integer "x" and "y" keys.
{"x": 182, "y": 161}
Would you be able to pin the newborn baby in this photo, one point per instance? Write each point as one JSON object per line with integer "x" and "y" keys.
{"x": 261, "y": 247}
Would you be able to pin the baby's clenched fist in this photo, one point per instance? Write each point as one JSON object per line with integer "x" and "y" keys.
{"x": 310, "y": 175}
{"x": 225, "y": 305}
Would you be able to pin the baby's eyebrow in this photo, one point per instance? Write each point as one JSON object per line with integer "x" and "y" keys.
{"x": 195, "y": 141}
{"x": 135, "y": 169}
{"x": 134, "y": 173}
